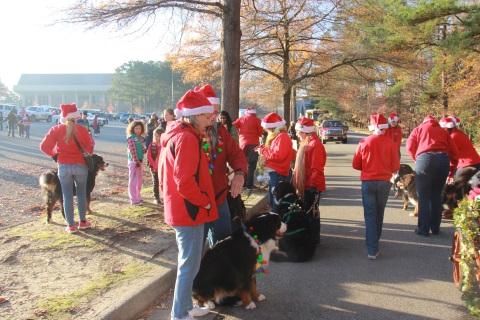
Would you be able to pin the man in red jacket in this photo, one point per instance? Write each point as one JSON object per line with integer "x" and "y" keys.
{"x": 394, "y": 131}
{"x": 467, "y": 155}
{"x": 249, "y": 132}
{"x": 433, "y": 150}
{"x": 377, "y": 158}
{"x": 189, "y": 197}
{"x": 223, "y": 150}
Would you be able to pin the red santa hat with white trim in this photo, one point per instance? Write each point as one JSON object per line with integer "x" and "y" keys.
{"x": 447, "y": 122}
{"x": 69, "y": 111}
{"x": 456, "y": 120}
{"x": 251, "y": 110}
{"x": 208, "y": 92}
{"x": 193, "y": 103}
{"x": 377, "y": 121}
{"x": 393, "y": 117}
{"x": 305, "y": 125}
{"x": 272, "y": 121}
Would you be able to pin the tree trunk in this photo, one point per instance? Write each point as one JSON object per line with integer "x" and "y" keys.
{"x": 230, "y": 97}
{"x": 287, "y": 96}
{"x": 293, "y": 104}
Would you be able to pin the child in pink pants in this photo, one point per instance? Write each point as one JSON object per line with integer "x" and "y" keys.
{"x": 136, "y": 152}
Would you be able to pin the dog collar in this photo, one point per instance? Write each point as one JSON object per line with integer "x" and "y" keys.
{"x": 260, "y": 264}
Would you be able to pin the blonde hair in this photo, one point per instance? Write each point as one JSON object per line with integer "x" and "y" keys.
{"x": 272, "y": 134}
{"x": 299, "y": 169}
{"x": 131, "y": 127}
{"x": 70, "y": 123}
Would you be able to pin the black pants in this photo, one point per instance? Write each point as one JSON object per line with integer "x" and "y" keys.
{"x": 11, "y": 129}
{"x": 252, "y": 158}
{"x": 155, "y": 184}
{"x": 311, "y": 198}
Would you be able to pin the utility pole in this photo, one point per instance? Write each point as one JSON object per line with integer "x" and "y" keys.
{"x": 171, "y": 92}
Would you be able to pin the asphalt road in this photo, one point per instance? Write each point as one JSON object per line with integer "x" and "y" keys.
{"x": 21, "y": 162}
{"x": 411, "y": 279}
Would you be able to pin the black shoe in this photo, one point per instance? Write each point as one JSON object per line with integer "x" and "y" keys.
{"x": 422, "y": 234}
{"x": 435, "y": 232}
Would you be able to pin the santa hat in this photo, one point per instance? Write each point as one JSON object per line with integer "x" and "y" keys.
{"x": 447, "y": 122}
{"x": 272, "y": 121}
{"x": 456, "y": 120}
{"x": 305, "y": 125}
{"x": 377, "y": 121}
{"x": 393, "y": 117}
{"x": 251, "y": 111}
{"x": 209, "y": 93}
{"x": 193, "y": 103}
{"x": 69, "y": 111}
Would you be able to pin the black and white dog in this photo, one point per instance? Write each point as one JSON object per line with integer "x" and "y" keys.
{"x": 228, "y": 269}
{"x": 300, "y": 241}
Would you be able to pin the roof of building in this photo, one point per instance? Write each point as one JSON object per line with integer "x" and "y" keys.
{"x": 64, "y": 82}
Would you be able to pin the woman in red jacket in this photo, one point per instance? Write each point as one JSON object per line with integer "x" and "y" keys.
{"x": 188, "y": 195}
{"x": 467, "y": 155}
{"x": 309, "y": 177}
{"x": 377, "y": 158}
{"x": 277, "y": 152}
{"x": 433, "y": 150}
{"x": 60, "y": 143}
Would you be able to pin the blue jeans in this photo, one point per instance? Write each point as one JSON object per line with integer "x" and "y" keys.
{"x": 431, "y": 174}
{"x": 374, "y": 199}
{"x": 275, "y": 179}
{"x": 190, "y": 247}
{"x": 68, "y": 174}
{"x": 221, "y": 228}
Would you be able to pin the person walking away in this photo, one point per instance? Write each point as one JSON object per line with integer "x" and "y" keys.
{"x": 189, "y": 198}
{"x": 21, "y": 128}
{"x": 308, "y": 173}
{"x": 12, "y": 121}
{"x": 27, "y": 123}
{"x": 222, "y": 152}
{"x": 135, "y": 150}
{"x": 96, "y": 125}
{"x": 432, "y": 149}
{"x": 168, "y": 117}
{"x": 60, "y": 143}
{"x": 394, "y": 131}
{"x": 467, "y": 154}
{"x": 153, "y": 154}
{"x": 249, "y": 132}
{"x": 225, "y": 119}
{"x": 277, "y": 152}
{"x": 377, "y": 158}
{"x": 151, "y": 126}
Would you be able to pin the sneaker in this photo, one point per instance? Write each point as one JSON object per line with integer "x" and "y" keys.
{"x": 184, "y": 318}
{"x": 373, "y": 257}
{"x": 199, "y": 312}
{"x": 84, "y": 225}
{"x": 71, "y": 229}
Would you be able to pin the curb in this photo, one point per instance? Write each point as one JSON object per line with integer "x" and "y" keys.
{"x": 133, "y": 304}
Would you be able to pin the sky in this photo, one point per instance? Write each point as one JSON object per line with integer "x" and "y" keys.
{"x": 30, "y": 42}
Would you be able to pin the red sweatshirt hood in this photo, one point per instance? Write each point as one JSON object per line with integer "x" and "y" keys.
{"x": 173, "y": 130}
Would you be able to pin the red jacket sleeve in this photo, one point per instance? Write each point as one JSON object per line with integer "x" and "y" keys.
{"x": 280, "y": 149}
{"x": 187, "y": 157}
{"x": 319, "y": 158}
{"x": 235, "y": 156}
{"x": 49, "y": 142}
{"x": 85, "y": 138}
{"x": 357, "y": 158}
{"x": 412, "y": 144}
{"x": 394, "y": 158}
{"x": 453, "y": 155}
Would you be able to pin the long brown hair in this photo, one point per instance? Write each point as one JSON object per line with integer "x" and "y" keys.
{"x": 299, "y": 169}
{"x": 70, "y": 123}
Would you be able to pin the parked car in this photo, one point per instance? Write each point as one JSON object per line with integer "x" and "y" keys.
{"x": 5, "y": 108}
{"x": 37, "y": 113}
{"x": 101, "y": 120}
{"x": 333, "y": 130}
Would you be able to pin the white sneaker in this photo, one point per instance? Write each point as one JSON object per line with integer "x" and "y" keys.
{"x": 199, "y": 311}
{"x": 184, "y": 318}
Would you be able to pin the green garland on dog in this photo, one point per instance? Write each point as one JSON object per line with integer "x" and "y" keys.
{"x": 466, "y": 218}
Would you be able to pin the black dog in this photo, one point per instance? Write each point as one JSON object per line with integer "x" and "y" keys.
{"x": 52, "y": 190}
{"x": 454, "y": 192}
{"x": 404, "y": 170}
{"x": 228, "y": 270}
{"x": 300, "y": 241}
{"x": 238, "y": 212}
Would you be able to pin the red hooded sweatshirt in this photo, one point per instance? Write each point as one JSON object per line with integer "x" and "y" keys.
{"x": 184, "y": 178}
{"x": 315, "y": 159}
{"x": 230, "y": 153}
{"x": 249, "y": 130}
{"x": 377, "y": 157}
{"x": 279, "y": 154}
{"x": 430, "y": 137}
{"x": 467, "y": 155}
{"x": 395, "y": 133}
{"x": 68, "y": 153}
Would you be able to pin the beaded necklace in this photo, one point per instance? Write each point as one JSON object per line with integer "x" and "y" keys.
{"x": 260, "y": 262}
{"x": 210, "y": 152}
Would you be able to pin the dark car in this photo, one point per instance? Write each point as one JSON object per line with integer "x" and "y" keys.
{"x": 333, "y": 130}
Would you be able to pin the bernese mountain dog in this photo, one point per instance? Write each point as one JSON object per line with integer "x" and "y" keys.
{"x": 406, "y": 184}
{"x": 300, "y": 241}
{"x": 402, "y": 171}
{"x": 228, "y": 270}
{"x": 52, "y": 190}
{"x": 454, "y": 192}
